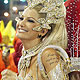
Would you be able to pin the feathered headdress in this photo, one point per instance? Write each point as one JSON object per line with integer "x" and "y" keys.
{"x": 1, "y": 30}
{"x": 9, "y": 31}
{"x": 8, "y": 35}
{"x": 1, "y": 26}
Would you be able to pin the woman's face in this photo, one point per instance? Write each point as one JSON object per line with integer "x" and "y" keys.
{"x": 27, "y": 22}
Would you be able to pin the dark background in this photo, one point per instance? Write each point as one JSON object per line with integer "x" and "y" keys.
{"x": 4, "y": 8}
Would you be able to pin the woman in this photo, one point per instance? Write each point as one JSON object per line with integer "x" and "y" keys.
{"x": 42, "y": 30}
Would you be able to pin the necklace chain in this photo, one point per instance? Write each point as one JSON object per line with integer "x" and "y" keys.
{"x": 27, "y": 55}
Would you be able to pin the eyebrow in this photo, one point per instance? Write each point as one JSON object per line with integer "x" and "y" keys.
{"x": 29, "y": 17}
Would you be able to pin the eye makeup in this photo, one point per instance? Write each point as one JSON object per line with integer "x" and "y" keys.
{"x": 32, "y": 21}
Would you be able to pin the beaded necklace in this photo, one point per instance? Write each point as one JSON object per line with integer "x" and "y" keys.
{"x": 25, "y": 59}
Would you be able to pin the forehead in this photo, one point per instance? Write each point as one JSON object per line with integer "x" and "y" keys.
{"x": 30, "y": 13}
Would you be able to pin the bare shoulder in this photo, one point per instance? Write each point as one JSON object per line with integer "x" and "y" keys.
{"x": 50, "y": 59}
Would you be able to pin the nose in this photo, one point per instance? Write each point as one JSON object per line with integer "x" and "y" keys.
{"x": 21, "y": 23}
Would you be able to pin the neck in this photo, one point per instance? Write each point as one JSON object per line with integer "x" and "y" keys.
{"x": 30, "y": 43}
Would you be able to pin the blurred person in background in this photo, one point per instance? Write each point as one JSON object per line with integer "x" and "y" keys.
{"x": 6, "y": 48}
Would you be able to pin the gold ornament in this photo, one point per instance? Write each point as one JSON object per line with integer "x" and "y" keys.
{"x": 53, "y": 9}
{"x": 27, "y": 55}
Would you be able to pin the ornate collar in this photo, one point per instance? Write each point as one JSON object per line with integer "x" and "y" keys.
{"x": 27, "y": 54}
{"x": 31, "y": 50}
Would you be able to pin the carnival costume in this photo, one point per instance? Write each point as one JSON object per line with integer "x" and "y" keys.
{"x": 4, "y": 48}
{"x": 18, "y": 50}
{"x": 72, "y": 24}
{"x": 54, "y": 13}
{"x": 73, "y": 30}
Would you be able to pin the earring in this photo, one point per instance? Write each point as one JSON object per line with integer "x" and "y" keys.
{"x": 39, "y": 36}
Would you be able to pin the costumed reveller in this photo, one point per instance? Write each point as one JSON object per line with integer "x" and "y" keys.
{"x": 73, "y": 30}
{"x": 6, "y": 59}
{"x": 42, "y": 30}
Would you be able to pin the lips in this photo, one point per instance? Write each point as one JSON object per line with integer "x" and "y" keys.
{"x": 22, "y": 30}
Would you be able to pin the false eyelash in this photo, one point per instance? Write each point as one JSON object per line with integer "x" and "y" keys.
{"x": 31, "y": 21}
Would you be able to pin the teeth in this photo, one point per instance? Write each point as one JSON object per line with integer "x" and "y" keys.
{"x": 21, "y": 30}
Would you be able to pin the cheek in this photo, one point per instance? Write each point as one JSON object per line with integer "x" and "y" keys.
{"x": 32, "y": 34}
{"x": 30, "y": 25}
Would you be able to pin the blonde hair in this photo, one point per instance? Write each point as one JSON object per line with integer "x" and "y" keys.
{"x": 58, "y": 34}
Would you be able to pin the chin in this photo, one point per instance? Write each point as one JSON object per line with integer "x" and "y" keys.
{"x": 18, "y": 35}
{"x": 22, "y": 37}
